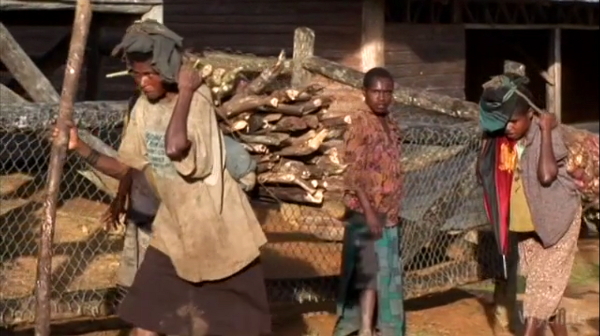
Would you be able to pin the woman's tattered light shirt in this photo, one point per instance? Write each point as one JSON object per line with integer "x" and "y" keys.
{"x": 204, "y": 223}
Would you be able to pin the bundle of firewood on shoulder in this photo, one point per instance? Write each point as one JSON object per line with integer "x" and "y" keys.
{"x": 295, "y": 141}
{"x": 583, "y": 164}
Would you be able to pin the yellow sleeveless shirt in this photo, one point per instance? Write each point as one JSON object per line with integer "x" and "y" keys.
{"x": 520, "y": 215}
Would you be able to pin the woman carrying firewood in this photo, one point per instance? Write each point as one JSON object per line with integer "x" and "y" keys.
{"x": 205, "y": 247}
{"x": 371, "y": 283}
{"x": 201, "y": 274}
{"x": 528, "y": 190}
{"x": 136, "y": 202}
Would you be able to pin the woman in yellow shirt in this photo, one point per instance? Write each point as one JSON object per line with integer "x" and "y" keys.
{"x": 529, "y": 191}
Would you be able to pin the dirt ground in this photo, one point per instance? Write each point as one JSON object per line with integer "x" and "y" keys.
{"x": 465, "y": 312}
{"x": 86, "y": 257}
{"x": 468, "y": 311}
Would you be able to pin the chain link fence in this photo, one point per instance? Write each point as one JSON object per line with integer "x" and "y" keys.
{"x": 445, "y": 241}
{"x": 85, "y": 256}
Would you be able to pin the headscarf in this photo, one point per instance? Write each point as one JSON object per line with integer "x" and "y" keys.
{"x": 494, "y": 115}
{"x": 150, "y": 36}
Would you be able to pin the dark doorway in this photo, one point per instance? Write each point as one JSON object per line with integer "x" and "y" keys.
{"x": 580, "y": 80}
{"x": 486, "y": 51}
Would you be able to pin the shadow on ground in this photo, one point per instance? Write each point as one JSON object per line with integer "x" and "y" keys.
{"x": 594, "y": 323}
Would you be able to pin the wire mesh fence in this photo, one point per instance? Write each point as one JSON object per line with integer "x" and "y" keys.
{"x": 445, "y": 242}
{"x": 84, "y": 254}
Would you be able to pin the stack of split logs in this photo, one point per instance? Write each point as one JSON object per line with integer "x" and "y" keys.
{"x": 295, "y": 141}
{"x": 582, "y": 163}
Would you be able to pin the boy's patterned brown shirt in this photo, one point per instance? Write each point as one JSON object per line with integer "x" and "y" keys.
{"x": 373, "y": 158}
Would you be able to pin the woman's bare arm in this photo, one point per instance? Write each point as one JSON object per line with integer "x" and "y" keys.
{"x": 103, "y": 163}
{"x": 547, "y": 171}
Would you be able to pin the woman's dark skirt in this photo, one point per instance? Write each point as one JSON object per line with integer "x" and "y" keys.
{"x": 160, "y": 301}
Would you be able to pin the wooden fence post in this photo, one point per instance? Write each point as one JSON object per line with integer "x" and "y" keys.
{"x": 514, "y": 67}
{"x": 83, "y": 16}
{"x": 304, "y": 47}
{"x": 553, "y": 90}
{"x": 373, "y": 34}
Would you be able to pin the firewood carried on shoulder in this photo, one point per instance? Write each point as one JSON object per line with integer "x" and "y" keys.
{"x": 292, "y": 195}
{"x": 290, "y": 124}
{"x": 283, "y": 178}
{"x": 306, "y": 147}
{"x": 270, "y": 139}
{"x": 294, "y": 167}
{"x": 294, "y": 140}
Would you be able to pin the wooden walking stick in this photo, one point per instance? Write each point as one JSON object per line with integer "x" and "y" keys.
{"x": 81, "y": 25}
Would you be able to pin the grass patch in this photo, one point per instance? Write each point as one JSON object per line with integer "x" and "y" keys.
{"x": 488, "y": 286}
{"x": 483, "y": 286}
{"x": 584, "y": 273}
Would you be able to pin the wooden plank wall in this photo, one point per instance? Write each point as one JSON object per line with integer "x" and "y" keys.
{"x": 430, "y": 57}
{"x": 261, "y": 27}
{"x": 487, "y": 49}
{"x": 37, "y": 40}
{"x": 580, "y": 84}
{"x": 264, "y": 27}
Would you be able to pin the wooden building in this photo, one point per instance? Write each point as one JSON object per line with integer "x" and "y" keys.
{"x": 449, "y": 47}
{"x": 43, "y": 30}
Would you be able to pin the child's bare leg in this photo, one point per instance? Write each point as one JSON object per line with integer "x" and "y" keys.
{"x": 534, "y": 327}
{"x": 368, "y": 299}
{"x": 142, "y": 332}
{"x": 558, "y": 325}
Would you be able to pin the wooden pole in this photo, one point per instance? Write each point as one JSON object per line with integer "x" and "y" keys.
{"x": 373, "y": 30}
{"x": 514, "y": 67}
{"x": 49, "y": 62}
{"x": 553, "y": 92}
{"x": 155, "y": 13}
{"x": 83, "y": 16}
{"x": 304, "y": 47}
{"x": 24, "y": 70}
{"x": 9, "y": 96}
